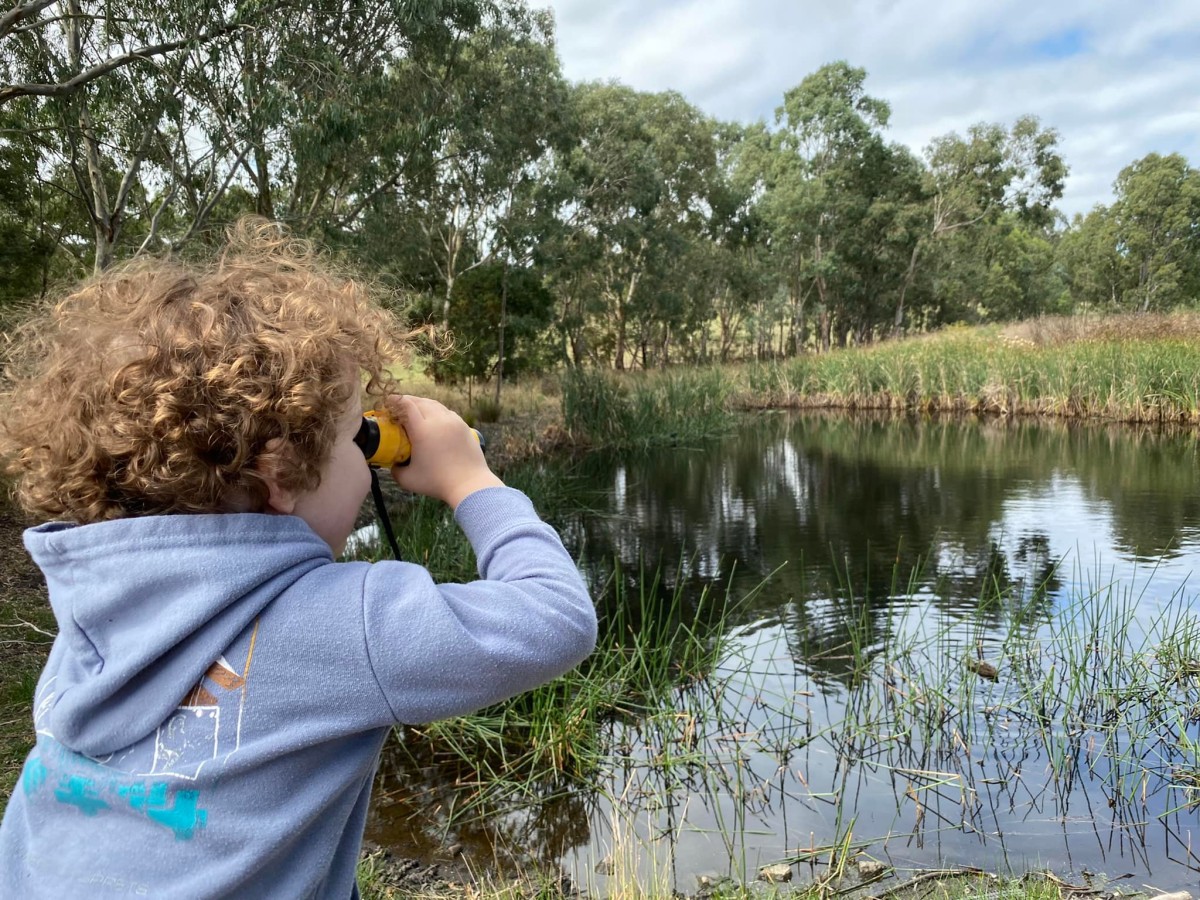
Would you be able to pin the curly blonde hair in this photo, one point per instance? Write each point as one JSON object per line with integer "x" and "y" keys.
{"x": 159, "y": 388}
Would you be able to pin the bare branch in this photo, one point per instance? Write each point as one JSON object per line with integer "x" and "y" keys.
{"x": 9, "y": 20}
{"x": 13, "y": 91}
{"x": 202, "y": 214}
{"x": 21, "y": 623}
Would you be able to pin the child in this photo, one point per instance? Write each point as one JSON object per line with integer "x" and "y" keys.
{"x": 212, "y": 711}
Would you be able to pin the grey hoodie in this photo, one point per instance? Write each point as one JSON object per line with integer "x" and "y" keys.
{"x": 212, "y": 711}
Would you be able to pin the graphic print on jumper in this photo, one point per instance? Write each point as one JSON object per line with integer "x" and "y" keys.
{"x": 204, "y": 730}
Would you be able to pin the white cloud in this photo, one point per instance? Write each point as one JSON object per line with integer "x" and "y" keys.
{"x": 1117, "y": 79}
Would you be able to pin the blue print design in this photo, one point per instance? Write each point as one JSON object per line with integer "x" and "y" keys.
{"x": 79, "y": 791}
{"x": 91, "y": 792}
{"x": 34, "y": 775}
{"x": 182, "y": 817}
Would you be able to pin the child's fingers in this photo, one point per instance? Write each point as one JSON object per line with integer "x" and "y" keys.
{"x": 405, "y": 407}
{"x": 402, "y": 407}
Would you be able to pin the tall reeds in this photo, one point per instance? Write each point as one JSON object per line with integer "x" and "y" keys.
{"x": 1135, "y": 379}
{"x": 654, "y": 642}
{"x": 647, "y": 409}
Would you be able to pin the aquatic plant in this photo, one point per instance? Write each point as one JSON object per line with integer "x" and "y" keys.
{"x": 645, "y": 410}
{"x": 1131, "y": 377}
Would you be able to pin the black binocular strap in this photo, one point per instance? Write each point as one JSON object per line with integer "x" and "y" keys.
{"x": 384, "y": 519}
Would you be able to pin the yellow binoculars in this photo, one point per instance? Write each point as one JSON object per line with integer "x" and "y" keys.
{"x": 384, "y": 442}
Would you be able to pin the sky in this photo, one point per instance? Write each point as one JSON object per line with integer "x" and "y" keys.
{"x": 1117, "y": 80}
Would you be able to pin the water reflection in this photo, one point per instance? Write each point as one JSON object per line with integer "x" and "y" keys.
{"x": 875, "y": 556}
{"x": 847, "y": 503}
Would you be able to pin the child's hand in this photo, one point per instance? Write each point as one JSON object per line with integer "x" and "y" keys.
{"x": 447, "y": 462}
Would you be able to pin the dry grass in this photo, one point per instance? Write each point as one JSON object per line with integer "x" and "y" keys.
{"x": 528, "y": 422}
{"x": 1054, "y": 331}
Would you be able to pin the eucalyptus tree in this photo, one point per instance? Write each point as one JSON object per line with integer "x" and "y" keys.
{"x": 734, "y": 261}
{"x": 1090, "y": 255}
{"x": 1143, "y": 252}
{"x": 1156, "y": 220}
{"x": 833, "y": 191}
{"x": 1024, "y": 277}
{"x": 507, "y": 107}
{"x": 638, "y": 179}
{"x": 977, "y": 188}
{"x": 159, "y": 112}
{"x": 483, "y": 297}
{"x": 32, "y": 229}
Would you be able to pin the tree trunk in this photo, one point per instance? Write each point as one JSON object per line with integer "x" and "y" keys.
{"x": 500, "y": 332}
{"x": 898, "y": 319}
{"x": 260, "y": 172}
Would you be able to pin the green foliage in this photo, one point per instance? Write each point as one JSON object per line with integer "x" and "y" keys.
{"x": 682, "y": 407}
{"x": 297, "y": 111}
{"x": 29, "y": 237}
{"x": 483, "y": 301}
{"x": 986, "y": 219}
{"x": 1142, "y": 252}
{"x": 637, "y": 181}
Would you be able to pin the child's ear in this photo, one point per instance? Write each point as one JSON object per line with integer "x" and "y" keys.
{"x": 279, "y": 499}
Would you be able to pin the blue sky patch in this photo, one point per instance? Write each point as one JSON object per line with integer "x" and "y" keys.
{"x": 990, "y": 49}
{"x": 1062, "y": 45}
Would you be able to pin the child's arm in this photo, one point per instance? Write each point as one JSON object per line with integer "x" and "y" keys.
{"x": 439, "y": 650}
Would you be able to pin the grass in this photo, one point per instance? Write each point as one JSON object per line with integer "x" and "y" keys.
{"x": 1130, "y": 369}
{"x": 26, "y": 628}
{"x": 1133, "y": 375}
{"x": 655, "y": 643}
{"x": 645, "y": 410}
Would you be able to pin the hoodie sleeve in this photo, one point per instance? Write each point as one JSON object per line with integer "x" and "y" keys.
{"x": 440, "y": 650}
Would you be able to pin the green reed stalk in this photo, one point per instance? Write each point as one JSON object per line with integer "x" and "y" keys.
{"x": 1153, "y": 378}
{"x": 643, "y": 410}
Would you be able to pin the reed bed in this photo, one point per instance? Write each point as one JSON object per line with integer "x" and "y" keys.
{"x": 643, "y": 410}
{"x": 1132, "y": 377}
{"x": 1128, "y": 369}
{"x": 654, "y": 643}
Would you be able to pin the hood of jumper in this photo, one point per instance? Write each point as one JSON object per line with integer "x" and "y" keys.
{"x": 144, "y": 607}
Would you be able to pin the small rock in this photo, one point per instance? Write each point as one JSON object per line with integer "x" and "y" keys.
{"x": 775, "y": 874}
{"x": 454, "y": 850}
{"x": 870, "y": 868}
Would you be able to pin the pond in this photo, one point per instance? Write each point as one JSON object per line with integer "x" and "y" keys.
{"x": 948, "y": 642}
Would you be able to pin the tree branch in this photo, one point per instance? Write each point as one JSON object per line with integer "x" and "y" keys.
{"x": 62, "y": 89}
{"x": 9, "y": 20}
